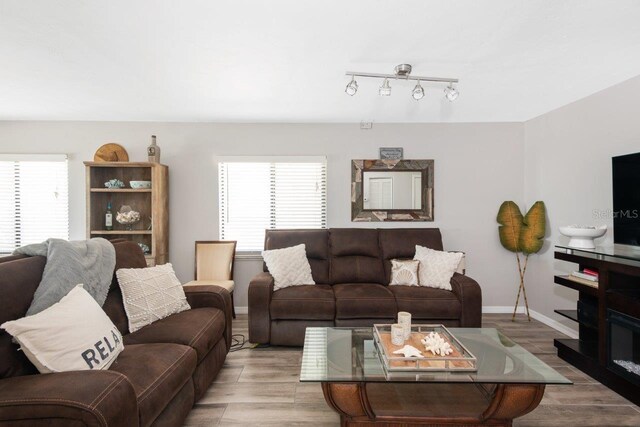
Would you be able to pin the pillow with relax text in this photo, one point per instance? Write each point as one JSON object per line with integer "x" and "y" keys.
{"x": 288, "y": 266}
{"x": 73, "y": 334}
{"x": 436, "y": 267}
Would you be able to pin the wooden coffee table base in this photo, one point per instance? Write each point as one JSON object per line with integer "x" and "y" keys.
{"x": 422, "y": 404}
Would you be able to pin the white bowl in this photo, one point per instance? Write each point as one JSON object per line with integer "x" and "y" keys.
{"x": 140, "y": 184}
{"x": 582, "y": 237}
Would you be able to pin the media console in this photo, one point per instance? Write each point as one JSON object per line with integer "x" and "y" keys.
{"x": 608, "y": 317}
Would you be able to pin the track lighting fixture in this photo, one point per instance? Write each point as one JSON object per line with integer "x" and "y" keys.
{"x": 352, "y": 87}
{"x": 418, "y": 92}
{"x": 385, "y": 89}
{"x": 403, "y": 72}
{"x": 451, "y": 93}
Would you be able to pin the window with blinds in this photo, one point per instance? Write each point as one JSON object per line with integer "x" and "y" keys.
{"x": 256, "y": 195}
{"x": 34, "y": 199}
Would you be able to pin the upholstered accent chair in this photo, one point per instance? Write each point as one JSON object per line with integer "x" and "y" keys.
{"x": 214, "y": 264}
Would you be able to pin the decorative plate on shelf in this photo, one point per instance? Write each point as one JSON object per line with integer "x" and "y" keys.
{"x": 111, "y": 152}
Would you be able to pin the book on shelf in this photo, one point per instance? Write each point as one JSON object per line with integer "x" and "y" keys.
{"x": 582, "y": 281}
{"x": 585, "y": 276}
{"x": 591, "y": 272}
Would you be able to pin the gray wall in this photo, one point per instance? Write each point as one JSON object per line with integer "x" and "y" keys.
{"x": 477, "y": 166}
{"x": 568, "y": 165}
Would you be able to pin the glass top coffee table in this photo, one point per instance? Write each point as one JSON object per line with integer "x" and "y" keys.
{"x": 509, "y": 381}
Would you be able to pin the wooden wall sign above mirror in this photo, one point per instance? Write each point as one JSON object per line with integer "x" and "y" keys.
{"x": 392, "y": 190}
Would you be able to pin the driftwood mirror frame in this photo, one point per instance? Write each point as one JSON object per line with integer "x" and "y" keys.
{"x": 358, "y": 213}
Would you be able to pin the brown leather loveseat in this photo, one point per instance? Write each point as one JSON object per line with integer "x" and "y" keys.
{"x": 352, "y": 269}
{"x": 165, "y": 367}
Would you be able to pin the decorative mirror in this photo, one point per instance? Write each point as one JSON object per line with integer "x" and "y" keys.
{"x": 392, "y": 190}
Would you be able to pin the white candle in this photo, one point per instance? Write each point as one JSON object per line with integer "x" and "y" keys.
{"x": 397, "y": 334}
{"x": 404, "y": 318}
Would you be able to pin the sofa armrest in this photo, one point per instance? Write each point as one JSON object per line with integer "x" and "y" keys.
{"x": 87, "y": 398}
{"x": 470, "y": 295}
{"x": 260, "y": 290}
{"x": 212, "y": 296}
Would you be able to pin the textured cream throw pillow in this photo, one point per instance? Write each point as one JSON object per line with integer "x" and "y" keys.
{"x": 288, "y": 266}
{"x": 73, "y": 334}
{"x": 404, "y": 272}
{"x": 436, "y": 267}
{"x": 150, "y": 294}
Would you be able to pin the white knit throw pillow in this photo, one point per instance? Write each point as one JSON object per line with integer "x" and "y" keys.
{"x": 288, "y": 266}
{"x": 150, "y": 294}
{"x": 404, "y": 272}
{"x": 436, "y": 267}
{"x": 73, "y": 334}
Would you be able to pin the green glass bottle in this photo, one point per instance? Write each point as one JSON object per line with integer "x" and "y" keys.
{"x": 108, "y": 218}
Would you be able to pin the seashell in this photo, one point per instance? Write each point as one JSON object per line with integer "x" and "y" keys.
{"x": 409, "y": 351}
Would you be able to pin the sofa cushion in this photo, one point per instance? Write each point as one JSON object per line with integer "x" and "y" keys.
{"x": 157, "y": 372}
{"x": 401, "y": 243}
{"x": 404, "y": 272}
{"x": 150, "y": 294}
{"x": 306, "y": 302}
{"x": 288, "y": 266}
{"x": 316, "y": 245}
{"x": 355, "y": 256}
{"x": 354, "y": 241}
{"x": 198, "y": 328}
{"x": 364, "y": 301}
{"x": 73, "y": 334}
{"x": 437, "y": 267}
{"x": 128, "y": 255}
{"x": 427, "y": 303}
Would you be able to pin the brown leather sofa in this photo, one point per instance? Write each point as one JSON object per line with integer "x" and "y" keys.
{"x": 165, "y": 367}
{"x": 352, "y": 269}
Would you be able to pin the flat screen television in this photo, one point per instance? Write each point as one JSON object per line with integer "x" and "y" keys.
{"x": 626, "y": 199}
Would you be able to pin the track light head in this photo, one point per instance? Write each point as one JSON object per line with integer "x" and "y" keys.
{"x": 385, "y": 89}
{"x": 418, "y": 92}
{"x": 451, "y": 93}
{"x": 352, "y": 87}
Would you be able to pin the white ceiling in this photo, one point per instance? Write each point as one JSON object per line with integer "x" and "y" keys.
{"x": 284, "y": 60}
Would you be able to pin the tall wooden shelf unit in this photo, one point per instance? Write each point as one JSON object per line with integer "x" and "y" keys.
{"x": 153, "y": 204}
{"x": 617, "y": 295}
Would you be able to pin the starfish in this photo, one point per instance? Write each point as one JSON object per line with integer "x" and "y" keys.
{"x": 409, "y": 351}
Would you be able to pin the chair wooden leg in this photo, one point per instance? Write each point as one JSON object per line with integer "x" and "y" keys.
{"x": 233, "y": 306}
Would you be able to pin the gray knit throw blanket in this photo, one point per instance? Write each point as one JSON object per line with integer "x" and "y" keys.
{"x": 90, "y": 262}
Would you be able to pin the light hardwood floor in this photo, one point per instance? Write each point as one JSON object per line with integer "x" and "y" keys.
{"x": 260, "y": 388}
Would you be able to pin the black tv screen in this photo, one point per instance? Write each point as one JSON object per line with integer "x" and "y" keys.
{"x": 626, "y": 199}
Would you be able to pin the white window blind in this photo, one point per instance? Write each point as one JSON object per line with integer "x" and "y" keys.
{"x": 34, "y": 199}
{"x": 258, "y": 195}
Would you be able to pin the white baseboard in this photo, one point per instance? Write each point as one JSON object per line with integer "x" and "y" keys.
{"x": 497, "y": 309}
{"x": 554, "y": 324}
{"x": 500, "y": 309}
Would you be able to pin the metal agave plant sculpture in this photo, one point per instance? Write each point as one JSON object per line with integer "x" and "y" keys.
{"x": 522, "y": 235}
